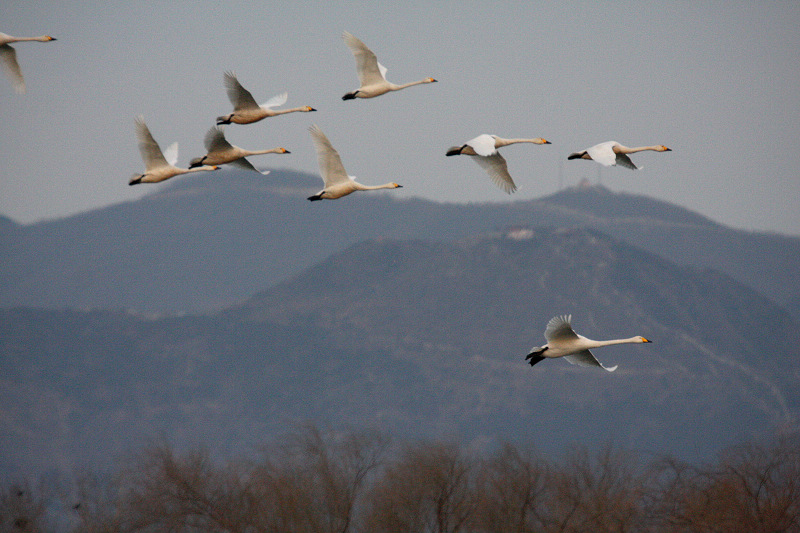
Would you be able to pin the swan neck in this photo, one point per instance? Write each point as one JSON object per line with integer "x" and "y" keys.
{"x": 598, "y": 344}
{"x": 626, "y": 150}
{"x": 362, "y": 187}
{"x": 499, "y": 141}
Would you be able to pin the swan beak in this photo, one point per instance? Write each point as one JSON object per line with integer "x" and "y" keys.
{"x": 432, "y": 80}
{"x": 285, "y": 151}
{"x": 51, "y": 38}
{"x": 645, "y": 340}
{"x": 546, "y": 141}
{"x": 667, "y": 149}
{"x": 397, "y": 186}
{"x": 309, "y": 109}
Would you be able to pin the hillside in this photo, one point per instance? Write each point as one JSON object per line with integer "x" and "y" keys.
{"x": 419, "y": 339}
{"x": 207, "y": 242}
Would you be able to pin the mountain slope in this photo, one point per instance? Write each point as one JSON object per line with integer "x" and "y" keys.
{"x": 420, "y": 339}
{"x": 209, "y": 241}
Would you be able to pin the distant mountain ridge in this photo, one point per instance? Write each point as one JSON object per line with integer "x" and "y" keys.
{"x": 421, "y": 339}
{"x": 206, "y": 242}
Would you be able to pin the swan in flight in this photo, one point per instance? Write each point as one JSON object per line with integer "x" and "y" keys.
{"x": 371, "y": 74}
{"x": 485, "y": 148}
{"x": 245, "y": 108}
{"x": 337, "y": 182}
{"x": 563, "y": 342}
{"x": 612, "y": 153}
{"x": 220, "y": 152}
{"x": 158, "y": 166}
{"x": 8, "y": 56}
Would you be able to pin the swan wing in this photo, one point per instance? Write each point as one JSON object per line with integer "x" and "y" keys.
{"x": 603, "y": 153}
{"x": 8, "y": 56}
{"x": 483, "y": 145}
{"x": 330, "y": 164}
{"x": 560, "y": 328}
{"x": 171, "y": 154}
{"x": 275, "y": 101}
{"x": 215, "y": 141}
{"x": 148, "y": 147}
{"x": 238, "y": 95}
{"x": 495, "y": 165}
{"x": 586, "y": 358}
{"x": 624, "y": 161}
{"x": 369, "y": 72}
{"x": 244, "y": 164}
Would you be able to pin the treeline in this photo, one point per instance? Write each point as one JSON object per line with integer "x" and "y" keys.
{"x": 357, "y": 482}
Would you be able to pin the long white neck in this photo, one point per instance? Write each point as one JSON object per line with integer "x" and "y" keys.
{"x": 626, "y": 150}
{"x": 362, "y": 187}
{"x": 394, "y": 87}
{"x": 41, "y": 39}
{"x": 303, "y": 109}
{"x": 499, "y": 141}
{"x": 260, "y": 152}
{"x": 598, "y": 344}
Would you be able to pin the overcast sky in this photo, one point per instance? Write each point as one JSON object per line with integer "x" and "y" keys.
{"x": 716, "y": 82}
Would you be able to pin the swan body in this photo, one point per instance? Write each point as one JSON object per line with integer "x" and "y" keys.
{"x": 221, "y": 152}
{"x": 562, "y": 341}
{"x": 337, "y": 182}
{"x": 612, "y": 153}
{"x": 484, "y": 147}
{"x": 8, "y": 57}
{"x": 371, "y": 74}
{"x": 158, "y": 166}
{"x": 245, "y": 108}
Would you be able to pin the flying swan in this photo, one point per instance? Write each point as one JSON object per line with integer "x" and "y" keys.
{"x": 612, "y": 153}
{"x": 245, "y": 108}
{"x": 8, "y": 56}
{"x": 485, "y": 148}
{"x": 220, "y": 152}
{"x": 371, "y": 74}
{"x": 158, "y": 166}
{"x": 337, "y": 182}
{"x": 563, "y": 342}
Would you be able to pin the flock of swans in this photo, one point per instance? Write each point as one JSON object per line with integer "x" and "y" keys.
{"x": 562, "y": 341}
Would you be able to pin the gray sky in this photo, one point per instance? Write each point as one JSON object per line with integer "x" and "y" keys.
{"x": 716, "y": 82}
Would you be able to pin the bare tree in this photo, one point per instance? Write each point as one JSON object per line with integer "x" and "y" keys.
{"x": 431, "y": 488}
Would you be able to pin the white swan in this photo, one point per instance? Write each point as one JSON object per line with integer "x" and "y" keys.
{"x": 485, "y": 148}
{"x": 612, "y": 153}
{"x": 8, "y": 56}
{"x": 563, "y": 342}
{"x": 158, "y": 166}
{"x": 337, "y": 182}
{"x": 220, "y": 152}
{"x": 245, "y": 108}
{"x": 371, "y": 74}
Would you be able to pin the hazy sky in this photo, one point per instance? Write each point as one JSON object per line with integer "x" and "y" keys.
{"x": 716, "y": 82}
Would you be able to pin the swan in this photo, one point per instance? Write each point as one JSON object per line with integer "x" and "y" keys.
{"x": 220, "y": 152}
{"x": 337, "y": 182}
{"x": 245, "y": 108}
{"x": 563, "y": 342}
{"x": 158, "y": 166}
{"x": 612, "y": 153}
{"x": 485, "y": 147}
{"x": 8, "y": 56}
{"x": 371, "y": 74}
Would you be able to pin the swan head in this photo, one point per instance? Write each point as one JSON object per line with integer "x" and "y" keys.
{"x": 308, "y": 109}
{"x": 642, "y": 339}
{"x": 430, "y": 80}
{"x": 663, "y": 148}
{"x": 396, "y": 186}
{"x": 283, "y": 150}
{"x": 47, "y": 38}
{"x": 542, "y": 141}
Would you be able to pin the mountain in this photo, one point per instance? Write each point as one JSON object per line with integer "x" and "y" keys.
{"x": 421, "y": 339}
{"x": 206, "y": 242}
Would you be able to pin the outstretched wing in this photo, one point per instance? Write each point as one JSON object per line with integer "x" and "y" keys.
{"x": 238, "y": 95}
{"x": 560, "y": 328}
{"x": 246, "y": 165}
{"x": 624, "y": 161}
{"x": 369, "y": 71}
{"x": 586, "y": 358}
{"x": 148, "y": 147}
{"x": 275, "y": 101}
{"x": 8, "y": 56}
{"x": 495, "y": 165}
{"x": 603, "y": 153}
{"x": 215, "y": 141}
{"x": 171, "y": 154}
{"x": 330, "y": 164}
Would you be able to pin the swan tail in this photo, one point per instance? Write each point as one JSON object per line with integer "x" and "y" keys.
{"x": 316, "y": 197}
{"x": 536, "y": 355}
